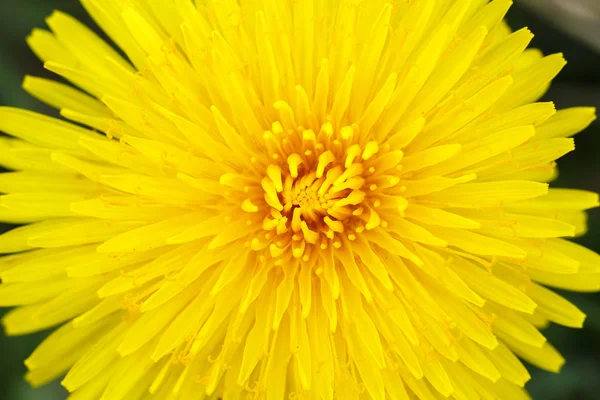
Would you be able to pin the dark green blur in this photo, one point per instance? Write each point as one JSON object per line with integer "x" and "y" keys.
{"x": 579, "y": 84}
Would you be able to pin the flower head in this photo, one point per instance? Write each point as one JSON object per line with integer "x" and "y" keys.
{"x": 291, "y": 199}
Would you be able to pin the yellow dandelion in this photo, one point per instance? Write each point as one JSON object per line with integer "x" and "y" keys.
{"x": 279, "y": 199}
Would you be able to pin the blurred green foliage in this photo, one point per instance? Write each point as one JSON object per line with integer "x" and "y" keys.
{"x": 579, "y": 84}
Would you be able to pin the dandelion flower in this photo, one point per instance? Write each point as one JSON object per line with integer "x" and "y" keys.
{"x": 280, "y": 199}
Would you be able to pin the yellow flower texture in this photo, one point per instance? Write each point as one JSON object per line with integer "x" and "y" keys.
{"x": 277, "y": 199}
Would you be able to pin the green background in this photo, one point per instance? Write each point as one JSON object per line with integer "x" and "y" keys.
{"x": 579, "y": 84}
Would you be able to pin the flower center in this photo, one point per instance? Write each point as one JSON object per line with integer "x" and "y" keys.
{"x": 313, "y": 197}
{"x": 319, "y": 189}
{"x": 304, "y": 197}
